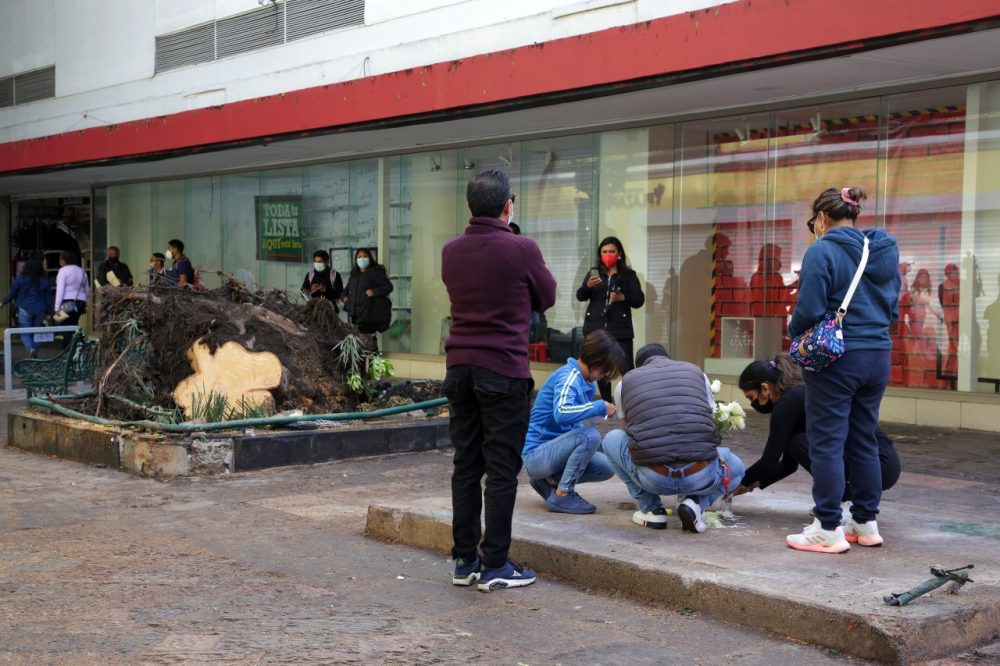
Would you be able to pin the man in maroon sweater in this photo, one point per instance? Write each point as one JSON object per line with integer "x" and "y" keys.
{"x": 495, "y": 280}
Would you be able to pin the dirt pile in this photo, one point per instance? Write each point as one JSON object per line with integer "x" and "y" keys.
{"x": 147, "y": 332}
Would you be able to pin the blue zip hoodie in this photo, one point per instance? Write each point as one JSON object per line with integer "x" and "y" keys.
{"x": 563, "y": 403}
{"x": 33, "y": 297}
{"x": 827, "y": 270}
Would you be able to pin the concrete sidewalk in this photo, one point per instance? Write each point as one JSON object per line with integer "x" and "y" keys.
{"x": 942, "y": 511}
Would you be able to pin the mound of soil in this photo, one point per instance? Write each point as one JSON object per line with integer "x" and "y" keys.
{"x": 146, "y": 332}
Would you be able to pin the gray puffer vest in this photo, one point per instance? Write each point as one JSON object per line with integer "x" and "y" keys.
{"x": 669, "y": 418}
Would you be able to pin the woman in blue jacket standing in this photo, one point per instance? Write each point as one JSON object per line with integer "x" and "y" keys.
{"x": 843, "y": 399}
{"x": 31, "y": 292}
{"x": 559, "y": 450}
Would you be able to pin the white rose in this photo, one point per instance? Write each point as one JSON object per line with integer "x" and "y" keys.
{"x": 724, "y": 412}
{"x": 738, "y": 422}
{"x": 737, "y": 409}
{"x": 716, "y": 386}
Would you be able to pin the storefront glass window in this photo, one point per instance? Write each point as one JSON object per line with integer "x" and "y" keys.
{"x": 711, "y": 213}
{"x": 723, "y": 172}
{"x": 556, "y": 200}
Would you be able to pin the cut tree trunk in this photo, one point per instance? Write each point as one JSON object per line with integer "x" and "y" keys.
{"x": 243, "y": 377}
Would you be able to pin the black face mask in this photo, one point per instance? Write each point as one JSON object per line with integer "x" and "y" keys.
{"x": 763, "y": 409}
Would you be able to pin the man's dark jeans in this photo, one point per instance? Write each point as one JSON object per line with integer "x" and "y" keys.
{"x": 489, "y": 420}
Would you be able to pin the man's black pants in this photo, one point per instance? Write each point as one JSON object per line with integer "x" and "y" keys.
{"x": 489, "y": 420}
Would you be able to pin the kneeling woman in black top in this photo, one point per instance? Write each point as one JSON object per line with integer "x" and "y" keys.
{"x": 775, "y": 387}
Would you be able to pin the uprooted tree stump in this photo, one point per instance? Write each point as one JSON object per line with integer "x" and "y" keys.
{"x": 147, "y": 334}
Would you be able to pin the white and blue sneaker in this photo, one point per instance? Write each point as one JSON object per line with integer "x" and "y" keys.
{"x": 510, "y": 574}
{"x": 466, "y": 571}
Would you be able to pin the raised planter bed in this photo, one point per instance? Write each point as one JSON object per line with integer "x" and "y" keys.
{"x": 164, "y": 456}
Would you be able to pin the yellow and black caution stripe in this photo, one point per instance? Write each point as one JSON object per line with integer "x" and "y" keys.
{"x": 711, "y": 298}
{"x": 848, "y": 120}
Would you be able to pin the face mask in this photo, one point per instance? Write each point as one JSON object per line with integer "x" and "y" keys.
{"x": 609, "y": 260}
{"x": 152, "y": 266}
{"x": 763, "y": 409}
{"x": 363, "y": 262}
{"x": 319, "y": 267}
{"x": 511, "y": 218}
{"x": 169, "y": 253}
{"x": 112, "y": 260}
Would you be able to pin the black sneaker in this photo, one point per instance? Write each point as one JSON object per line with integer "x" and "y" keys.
{"x": 542, "y": 487}
{"x": 510, "y": 574}
{"x": 655, "y": 518}
{"x": 466, "y": 572}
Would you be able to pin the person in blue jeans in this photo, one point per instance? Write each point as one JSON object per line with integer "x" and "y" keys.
{"x": 842, "y": 400}
{"x": 31, "y": 292}
{"x": 669, "y": 445}
{"x": 560, "y": 451}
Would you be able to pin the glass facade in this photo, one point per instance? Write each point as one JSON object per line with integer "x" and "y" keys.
{"x": 711, "y": 213}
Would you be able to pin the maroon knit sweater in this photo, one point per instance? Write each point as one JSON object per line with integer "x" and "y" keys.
{"x": 495, "y": 280}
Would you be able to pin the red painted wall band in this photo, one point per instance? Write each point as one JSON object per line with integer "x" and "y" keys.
{"x": 733, "y": 33}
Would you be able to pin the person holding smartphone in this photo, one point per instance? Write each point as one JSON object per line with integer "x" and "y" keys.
{"x": 613, "y": 290}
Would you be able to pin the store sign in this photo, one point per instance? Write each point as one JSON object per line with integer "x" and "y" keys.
{"x": 279, "y": 228}
{"x": 74, "y": 201}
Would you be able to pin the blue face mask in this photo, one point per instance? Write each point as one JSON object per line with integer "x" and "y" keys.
{"x": 363, "y": 262}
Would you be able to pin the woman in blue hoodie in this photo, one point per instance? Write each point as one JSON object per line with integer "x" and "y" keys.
{"x": 559, "y": 451}
{"x": 31, "y": 291}
{"x": 843, "y": 399}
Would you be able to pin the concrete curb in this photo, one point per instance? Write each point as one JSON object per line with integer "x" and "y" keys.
{"x": 902, "y": 640}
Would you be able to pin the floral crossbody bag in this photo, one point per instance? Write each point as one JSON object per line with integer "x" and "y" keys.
{"x": 823, "y": 343}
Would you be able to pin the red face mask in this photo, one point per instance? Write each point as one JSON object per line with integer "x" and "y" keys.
{"x": 609, "y": 260}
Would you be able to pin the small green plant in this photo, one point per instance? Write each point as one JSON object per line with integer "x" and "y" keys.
{"x": 361, "y": 364}
{"x": 210, "y": 407}
{"x": 245, "y": 409}
{"x": 379, "y": 366}
{"x": 213, "y": 407}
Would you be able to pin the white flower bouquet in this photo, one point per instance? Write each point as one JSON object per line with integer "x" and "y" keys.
{"x": 728, "y": 415}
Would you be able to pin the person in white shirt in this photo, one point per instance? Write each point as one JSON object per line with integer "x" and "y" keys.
{"x": 72, "y": 289}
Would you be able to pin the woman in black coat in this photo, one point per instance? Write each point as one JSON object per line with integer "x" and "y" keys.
{"x": 613, "y": 289}
{"x": 367, "y": 279}
{"x": 775, "y": 387}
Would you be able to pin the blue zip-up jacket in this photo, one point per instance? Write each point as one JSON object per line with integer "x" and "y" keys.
{"x": 31, "y": 296}
{"x": 563, "y": 403}
{"x": 827, "y": 270}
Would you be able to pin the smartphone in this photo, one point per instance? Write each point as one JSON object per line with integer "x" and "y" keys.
{"x": 594, "y": 273}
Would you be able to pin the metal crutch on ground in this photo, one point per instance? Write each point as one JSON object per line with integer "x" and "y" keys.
{"x": 942, "y": 576}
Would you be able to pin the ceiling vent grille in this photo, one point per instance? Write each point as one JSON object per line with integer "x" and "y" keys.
{"x": 251, "y": 31}
{"x": 28, "y": 87}
{"x": 274, "y": 24}
{"x": 6, "y": 91}
{"x": 309, "y": 17}
{"x": 188, "y": 47}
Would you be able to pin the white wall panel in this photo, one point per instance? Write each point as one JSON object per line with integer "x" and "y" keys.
{"x": 175, "y": 15}
{"x": 377, "y": 11}
{"x": 101, "y": 44}
{"x": 27, "y": 38}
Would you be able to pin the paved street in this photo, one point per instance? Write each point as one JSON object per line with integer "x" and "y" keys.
{"x": 273, "y": 567}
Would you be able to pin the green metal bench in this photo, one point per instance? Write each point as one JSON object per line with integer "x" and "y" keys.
{"x": 52, "y": 376}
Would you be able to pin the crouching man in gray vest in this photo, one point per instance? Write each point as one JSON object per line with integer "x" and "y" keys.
{"x": 669, "y": 445}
